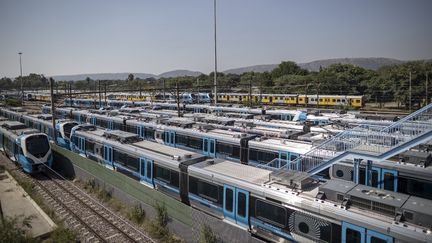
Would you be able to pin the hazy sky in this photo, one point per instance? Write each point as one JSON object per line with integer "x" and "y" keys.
{"x": 94, "y": 36}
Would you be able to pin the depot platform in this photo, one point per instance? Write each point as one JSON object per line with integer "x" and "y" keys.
{"x": 16, "y": 202}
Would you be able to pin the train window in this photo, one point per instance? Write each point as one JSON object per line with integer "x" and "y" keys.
{"x": 374, "y": 239}
{"x": 334, "y": 100}
{"x": 338, "y": 100}
{"x": 89, "y": 146}
{"x": 174, "y": 178}
{"x": 357, "y": 101}
{"x": 181, "y": 140}
{"x": 208, "y": 191}
{"x": 374, "y": 179}
{"x": 264, "y": 156}
{"x": 193, "y": 185}
{"x": 420, "y": 188}
{"x": 229, "y": 199}
{"x": 320, "y": 100}
{"x": 353, "y": 236}
{"x": 148, "y": 170}
{"x": 241, "y": 204}
{"x": 195, "y": 143}
{"x": 126, "y": 160}
{"x": 270, "y": 213}
{"x": 389, "y": 181}
{"x": 75, "y": 140}
{"x": 163, "y": 174}
{"x": 224, "y": 149}
{"x": 149, "y": 133}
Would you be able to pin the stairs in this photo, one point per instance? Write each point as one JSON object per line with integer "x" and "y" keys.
{"x": 364, "y": 141}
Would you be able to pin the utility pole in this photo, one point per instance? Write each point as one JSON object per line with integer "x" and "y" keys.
{"x": 250, "y": 92}
{"x": 215, "y": 57}
{"x": 100, "y": 98}
{"x": 306, "y": 93}
{"x": 70, "y": 94}
{"x": 22, "y": 82}
{"x": 410, "y": 92}
{"x": 318, "y": 93}
{"x": 427, "y": 81}
{"x": 178, "y": 99}
{"x": 105, "y": 96}
{"x": 163, "y": 82}
{"x": 198, "y": 96}
{"x": 53, "y": 110}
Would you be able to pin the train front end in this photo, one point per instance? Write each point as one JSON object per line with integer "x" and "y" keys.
{"x": 34, "y": 152}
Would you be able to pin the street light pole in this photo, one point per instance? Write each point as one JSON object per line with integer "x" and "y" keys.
{"x": 215, "y": 56}
{"x": 21, "y": 80}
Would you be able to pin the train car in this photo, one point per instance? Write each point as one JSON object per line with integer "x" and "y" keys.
{"x": 219, "y": 143}
{"x": 158, "y": 166}
{"x": 408, "y": 177}
{"x": 246, "y": 197}
{"x": 203, "y": 98}
{"x": 27, "y": 147}
{"x": 42, "y": 123}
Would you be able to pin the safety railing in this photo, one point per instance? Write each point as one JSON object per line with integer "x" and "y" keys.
{"x": 367, "y": 139}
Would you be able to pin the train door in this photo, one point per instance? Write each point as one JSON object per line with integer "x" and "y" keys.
{"x": 236, "y": 205}
{"x": 356, "y": 234}
{"x": 108, "y": 156}
{"x": 141, "y": 131}
{"x": 93, "y": 120}
{"x": 353, "y": 233}
{"x": 209, "y": 147}
{"x": 170, "y": 138}
{"x": 110, "y": 125}
{"x": 382, "y": 179}
{"x": 389, "y": 179}
{"x": 146, "y": 171}
{"x": 81, "y": 145}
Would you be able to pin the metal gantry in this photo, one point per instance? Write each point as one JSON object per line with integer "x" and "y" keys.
{"x": 365, "y": 141}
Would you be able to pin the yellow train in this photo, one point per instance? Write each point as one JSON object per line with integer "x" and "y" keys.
{"x": 356, "y": 101}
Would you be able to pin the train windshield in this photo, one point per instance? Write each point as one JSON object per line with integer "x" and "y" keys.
{"x": 37, "y": 145}
{"x": 67, "y": 128}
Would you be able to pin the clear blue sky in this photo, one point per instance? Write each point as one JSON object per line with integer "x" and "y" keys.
{"x": 94, "y": 36}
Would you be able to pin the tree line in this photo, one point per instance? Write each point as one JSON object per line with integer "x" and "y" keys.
{"x": 388, "y": 83}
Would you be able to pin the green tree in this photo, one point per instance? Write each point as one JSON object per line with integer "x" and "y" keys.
{"x": 287, "y": 68}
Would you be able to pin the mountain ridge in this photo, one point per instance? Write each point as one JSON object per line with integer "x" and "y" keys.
{"x": 366, "y": 62}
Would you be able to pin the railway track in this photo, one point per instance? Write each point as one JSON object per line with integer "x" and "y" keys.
{"x": 91, "y": 220}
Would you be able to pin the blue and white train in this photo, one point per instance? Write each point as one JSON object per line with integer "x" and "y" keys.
{"x": 27, "y": 147}
{"x": 256, "y": 200}
{"x": 43, "y": 124}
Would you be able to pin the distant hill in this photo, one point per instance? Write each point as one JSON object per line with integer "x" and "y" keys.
{"x": 369, "y": 63}
{"x": 255, "y": 68}
{"x": 179, "y": 73}
{"x": 102, "y": 76}
{"x": 123, "y": 76}
{"x": 373, "y": 63}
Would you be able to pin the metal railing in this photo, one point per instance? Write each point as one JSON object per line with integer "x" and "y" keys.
{"x": 364, "y": 139}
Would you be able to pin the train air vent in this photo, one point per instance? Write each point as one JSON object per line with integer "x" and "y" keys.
{"x": 176, "y": 157}
{"x": 210, "y": 162}
{"x": 188, "y": 156}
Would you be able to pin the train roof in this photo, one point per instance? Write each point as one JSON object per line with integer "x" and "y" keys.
{"x": 281, "y": 144}
{"x": 162, "y": 153}
{"x": 236, "y": 171}
{"x": 417, "y": 204}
